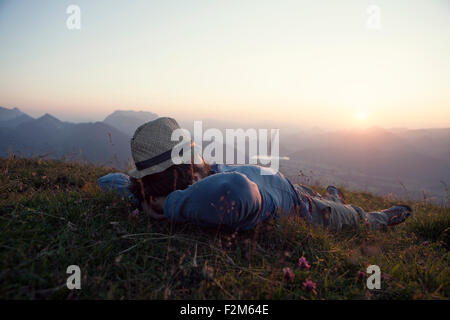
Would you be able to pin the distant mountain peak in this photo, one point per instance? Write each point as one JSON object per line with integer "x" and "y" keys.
{"x": 9, "y": 114}
{"x": 132, "y": 113}
{"x": 128, "y": 121}
{"x": 49, "y": 116}
{"x": 49, "y": 121}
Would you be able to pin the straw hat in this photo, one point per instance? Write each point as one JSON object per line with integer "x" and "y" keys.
{"x": 151, "y": 147}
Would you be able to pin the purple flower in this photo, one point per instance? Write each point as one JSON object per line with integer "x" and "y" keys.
{"x": 309, "y": 285}
{"x": 134, "y": 213}
{"x": 288, "y": 275}
{"x": 303, "y": 263}
{"x": 360, "y": 275}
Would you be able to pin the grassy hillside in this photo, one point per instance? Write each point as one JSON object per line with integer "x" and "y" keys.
{"x": 52, "y": 215}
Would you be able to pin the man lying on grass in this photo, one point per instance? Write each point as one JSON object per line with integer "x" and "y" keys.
{"x": 237, "y": 197}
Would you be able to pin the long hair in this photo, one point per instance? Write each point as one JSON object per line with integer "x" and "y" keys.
{"x": 176, "y": 177}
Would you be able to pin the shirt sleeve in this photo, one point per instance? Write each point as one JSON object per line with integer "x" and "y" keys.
{"x": 117, "y": 182}
{"x": 224, "y": 199}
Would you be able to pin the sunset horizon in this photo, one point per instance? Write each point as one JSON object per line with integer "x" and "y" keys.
{"x": 330, "y": 65}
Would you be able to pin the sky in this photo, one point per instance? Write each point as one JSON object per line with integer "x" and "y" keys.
{"x": 334, "y": 64}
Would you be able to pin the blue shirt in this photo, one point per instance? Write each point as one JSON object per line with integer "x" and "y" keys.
{"x": 237, "y": 197}
{"x": 117, "y": 182}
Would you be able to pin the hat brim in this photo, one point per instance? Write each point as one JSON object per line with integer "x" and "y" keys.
{"x": 138, "y": 174}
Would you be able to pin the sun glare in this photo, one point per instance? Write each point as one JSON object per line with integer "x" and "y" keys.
{"x": 361, "y": 116}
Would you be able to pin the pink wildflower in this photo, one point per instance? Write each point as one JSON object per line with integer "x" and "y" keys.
{"x": 303, "y": 263}
{"x": 309, "y": 285}
{"x": 288, "y": 275}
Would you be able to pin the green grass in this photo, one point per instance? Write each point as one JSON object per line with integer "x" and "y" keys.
{"x": 52, "y": 215}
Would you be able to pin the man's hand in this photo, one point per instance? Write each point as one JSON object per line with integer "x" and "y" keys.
{"x": 152, "y": 213}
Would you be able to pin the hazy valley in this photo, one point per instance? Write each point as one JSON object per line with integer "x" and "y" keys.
{"x": 405, "y": 163}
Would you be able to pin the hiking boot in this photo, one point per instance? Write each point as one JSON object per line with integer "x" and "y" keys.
{"x": 334, "y": 192}
{"x": 398, "y": 214}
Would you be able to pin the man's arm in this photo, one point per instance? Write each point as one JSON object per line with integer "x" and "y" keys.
{"x": 117, "y": 182}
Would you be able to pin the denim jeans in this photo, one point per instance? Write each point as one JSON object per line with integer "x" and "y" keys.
{"x": 331, "y": 212}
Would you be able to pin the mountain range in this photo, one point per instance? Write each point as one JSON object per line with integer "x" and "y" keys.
{"x": 97, "y": 142}
{"x": 406, "y": 162}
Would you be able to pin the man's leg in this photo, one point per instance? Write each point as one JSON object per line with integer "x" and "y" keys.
{"x": 338, "y": 216}
{"x": 389, "y": 217}
{"x": 334, "y": 194}
{"x": 333, "y": 212}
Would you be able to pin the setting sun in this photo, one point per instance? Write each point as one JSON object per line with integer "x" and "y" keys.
{"x": 361, "y": 115}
